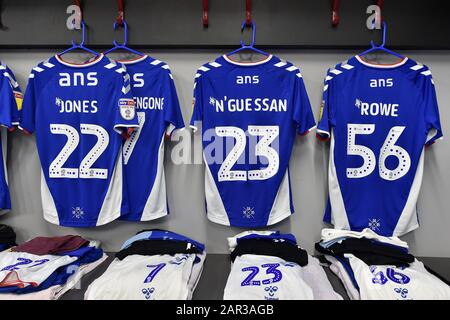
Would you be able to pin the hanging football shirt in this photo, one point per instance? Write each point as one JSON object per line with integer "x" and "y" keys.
{"x": 158, "y": 112}
{"x": 250, "y": 114}
{"x": 80, "y": 114}
{"x": 379, "y": 119}
{"x": 11, "y": 102}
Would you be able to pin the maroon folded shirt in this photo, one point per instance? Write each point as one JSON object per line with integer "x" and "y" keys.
{"x": 51, "y": 245}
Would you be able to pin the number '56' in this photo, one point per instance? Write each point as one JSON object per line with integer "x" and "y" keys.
{"x": 388, "y": 149}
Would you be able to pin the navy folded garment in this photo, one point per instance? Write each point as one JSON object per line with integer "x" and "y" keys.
{"x": 370, "y": 251}
{"x": 7, "y": 237}
{"x": 158, "y": 234}
{"x": 276, "y": 235}
{"x": 157, "y": 247}
{"x": 271, "y": 247}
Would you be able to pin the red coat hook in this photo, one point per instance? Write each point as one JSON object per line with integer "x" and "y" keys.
{"x": 120, "y": 12}
{"x": 205, "y": 14}
{"x": 78, "y": 4}
{"x": 380, "y": 3}
{"x": 248, "y": 12}
{"x": 335, "y": 12}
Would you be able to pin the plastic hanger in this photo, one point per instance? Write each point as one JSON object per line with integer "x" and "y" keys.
{"x": 81, "y": 45}
{"x": 382, "y": 46}
{"x": 251, "y": 46}
{"x": 124, "y": 44}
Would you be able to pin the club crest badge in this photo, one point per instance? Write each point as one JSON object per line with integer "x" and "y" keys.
{"x": 126, "y": 106}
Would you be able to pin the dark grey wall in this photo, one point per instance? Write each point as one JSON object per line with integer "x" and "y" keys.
{"x": 177, "y": 23}
{"x": 185, "y": 182}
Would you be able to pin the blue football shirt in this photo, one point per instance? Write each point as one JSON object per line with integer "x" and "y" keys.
{"x": 11, "y": 102}
{"x": 80, "y": 114}
{"x": 159, "y": 114}
{"x": 250, "y": 114}
{"x": 379, "y": 119}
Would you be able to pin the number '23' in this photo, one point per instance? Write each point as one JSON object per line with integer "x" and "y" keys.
{"x": 271, "y": 268}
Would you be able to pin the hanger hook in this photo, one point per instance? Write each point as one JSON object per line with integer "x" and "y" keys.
{"x": 253, "y": 27}
{"x": 125, "y": 33}
{"x": 384, "y": 26}
{"x": 83, "y": 34}
{"x": 83, "y": 31}
{"x": 383, "y": 43}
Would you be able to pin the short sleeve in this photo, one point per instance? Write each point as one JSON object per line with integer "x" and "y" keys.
{"x": 18, "y": 96}
{"x": 303, "y": 115}
{"x": 431, "y": 116}
{"x": 172, "y": 112}
{"x": 125, "y": 118}
{"x": 28, "y": 111}
{"x": 8, "y": 106}
{"x": 325, "y": 114}
{"x": 197, "y": 102}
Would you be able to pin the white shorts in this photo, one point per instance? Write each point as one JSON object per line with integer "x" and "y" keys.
{"x": 256, "y": 277}
{"x": 393, "y": 283}
{"x": 159, "y": 277}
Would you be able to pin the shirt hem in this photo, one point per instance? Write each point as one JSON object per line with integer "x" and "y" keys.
{"x": 408, "y": 230}
{"x": 279, "y": 218}
{"x": 86, "y": 224}
{"x": 152, "y": 217}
